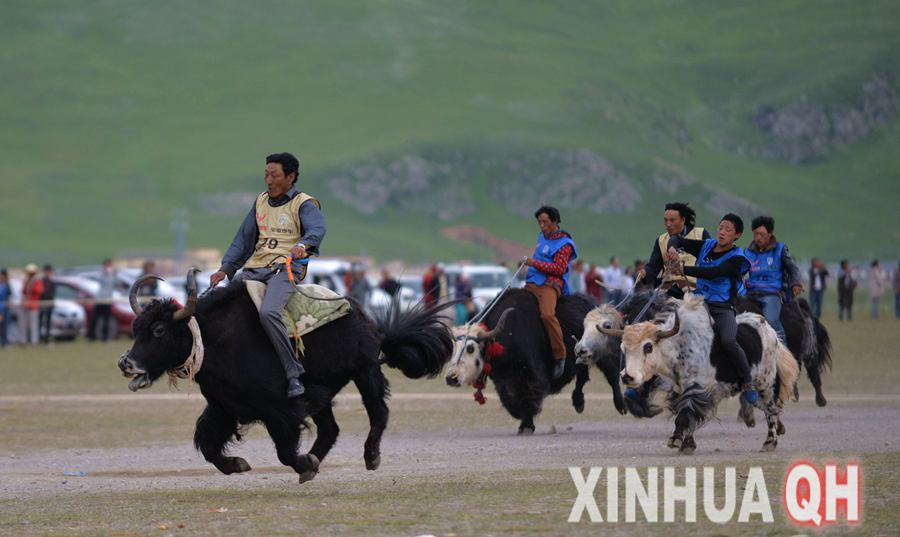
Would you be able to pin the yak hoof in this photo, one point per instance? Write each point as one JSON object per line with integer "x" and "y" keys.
{"x": 525, "y": 431}
{"x": 688, "y": 446}
{"x": 780, "y": 428}
{"x": 234, "y": 465}
{"x": 796, "y": 393}
{"x": 770, "y": 444}
{"x": 307, "y": 467}
{"x": 308, "y": 475}
{"x": 674, "y": 442}
{"x": 820, "y": 400}
{"x": 578, "y": 402}
{"x": 374, "y": 463}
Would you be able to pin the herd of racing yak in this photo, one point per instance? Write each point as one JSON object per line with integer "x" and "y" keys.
{"x": 669, "y": 362}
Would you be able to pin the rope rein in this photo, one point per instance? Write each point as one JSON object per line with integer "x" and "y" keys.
{"x": 192, "y": 364}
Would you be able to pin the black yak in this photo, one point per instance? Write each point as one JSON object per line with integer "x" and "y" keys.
{"x": 522, "y": 372}
{"x": 243, "y": 381}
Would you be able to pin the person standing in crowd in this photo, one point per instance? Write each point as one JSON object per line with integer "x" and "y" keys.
{"x": 679, "y": 220}
{"x": 32, "y": 289}
{"x": 640, "y": 268}
{"x": 615, "y": 280}
{"x": 577, "y": 282}
{"x": 103, "y": 303}
{"x": 846, "y": 288}
{"x": 46, "y": 309}
{"x": 465, "y": 309}
{"x": 428, "y": 279}
{"x": 877, "y": 285}
{"x": 5, "y": 292}
{"x": 359, "y": 285}
{"x": 548, "y": 277}
{"x": 818, "y": 278}
{"x": 388, "y": 284}
{"x": 897, "y": 292}
{"x": 150, "y": 287}
{"x": 592, "y": 282}
{"x": 627, "y": 281}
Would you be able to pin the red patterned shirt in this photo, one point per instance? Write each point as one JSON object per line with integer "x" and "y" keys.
{"x": 560, "y": 264}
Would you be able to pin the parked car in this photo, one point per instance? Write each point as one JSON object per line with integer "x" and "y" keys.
{"x": 83, "y": 291}
{"x": 66, "y": 321}
{"x": 126, "y": 277}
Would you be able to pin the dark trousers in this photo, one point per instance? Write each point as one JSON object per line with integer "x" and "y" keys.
{"x": 102, "y": 315}
{"x": 725, "y": 327}
{"x": 815, "y": 300}
{"x": 44, "y": 318}
{"x": 4, "y": 327}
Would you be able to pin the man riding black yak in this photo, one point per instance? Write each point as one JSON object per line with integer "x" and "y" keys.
{"x": 282, "y": 223}
{"x": 235, "y": 354}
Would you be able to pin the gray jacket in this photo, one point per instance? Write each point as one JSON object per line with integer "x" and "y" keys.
{"x": 312, "y": 221}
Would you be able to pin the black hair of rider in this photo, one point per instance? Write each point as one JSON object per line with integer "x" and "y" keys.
{"x": 289, "y": 163}
{"x": 551, "y": 212}
{"x": 765, "y": 221}
{"x": 684, "y": 210}
{"x": 736, "y": 220}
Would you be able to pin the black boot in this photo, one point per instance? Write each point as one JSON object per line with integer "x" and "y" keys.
{"x": 295, "y": 388}
{"x": 559, "y": 368}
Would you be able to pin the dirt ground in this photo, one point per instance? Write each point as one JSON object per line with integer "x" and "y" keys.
{"x": 421, "y": 454}
{"x": 82, "y": 456}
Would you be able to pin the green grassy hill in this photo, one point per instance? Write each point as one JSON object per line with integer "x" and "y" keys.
{"x": 115, "y": 114}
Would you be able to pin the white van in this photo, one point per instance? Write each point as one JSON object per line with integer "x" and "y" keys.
{"x": 486, "y": 281}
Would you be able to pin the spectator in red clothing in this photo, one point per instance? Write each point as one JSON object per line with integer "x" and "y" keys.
{"x": 32, "y": 289}
{"x": 548, "y": 277}
{"x": 428, "y": 279}
{"x": 592, "y": 288}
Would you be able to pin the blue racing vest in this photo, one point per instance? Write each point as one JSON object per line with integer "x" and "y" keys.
{"x": 545, "y": 251}
{"x": 765, "y": 270}
{"x": 719, "y": 289}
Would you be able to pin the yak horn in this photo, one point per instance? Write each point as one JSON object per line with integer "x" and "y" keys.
{"x": 484, "y": 336}
{"x": 611, "y": 332}
{"x": 188, "y": 309}
{"x": 135, "y": 287}
{"x": 663, "y": 334}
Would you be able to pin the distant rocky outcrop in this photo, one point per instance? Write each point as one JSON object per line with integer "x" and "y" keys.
{"x": 805, "y": 131}
{"x": 431, "y": 186}
{"x": 576, "y": 179}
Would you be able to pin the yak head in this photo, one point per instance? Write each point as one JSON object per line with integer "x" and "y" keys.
{"x": 645, "y": 351}
{"x": 162, "y": 339}
{"x": 602, "y": 328}
{"x": 467, "y": 360}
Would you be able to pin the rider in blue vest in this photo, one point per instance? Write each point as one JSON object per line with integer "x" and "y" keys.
{"x": 548, "y": 278}
{"x": 772, "y": 272}
{"x": 719, "y": 270}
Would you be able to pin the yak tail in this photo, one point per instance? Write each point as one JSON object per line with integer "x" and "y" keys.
{"x": 416, "y": 341}
{"x": 821, "y": 339}
{"x": 824, "y": 344}
{"x": 788, "y": 371}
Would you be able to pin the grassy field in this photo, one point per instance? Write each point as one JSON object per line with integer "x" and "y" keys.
{"x": 60, "y": 405}
{"x": 120, "y": 112}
